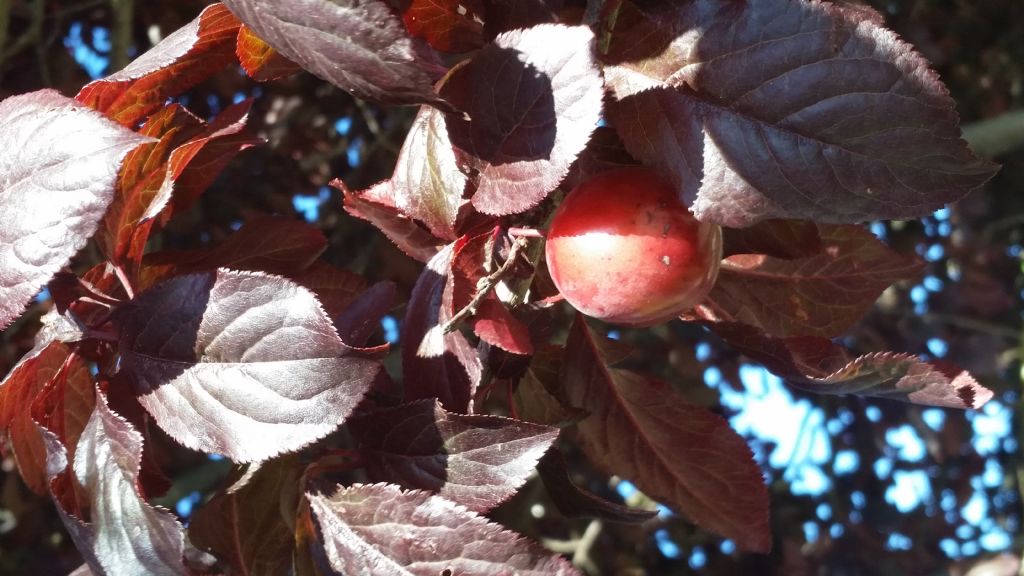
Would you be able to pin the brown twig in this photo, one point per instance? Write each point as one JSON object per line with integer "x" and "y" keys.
{"x": 121, "y": 39}
{"x": 484, "y": 287}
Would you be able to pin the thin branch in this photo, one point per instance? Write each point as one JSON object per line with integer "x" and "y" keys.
{"x": 35, "y": 28}
{"x": 121, "y": 38}
{"x": 995, "y": 136}
{"x": 582, "y": 557}
{"x": 975, "y": 325}
{"x": 484, "y": 287}
{"x": 5, "y": 21}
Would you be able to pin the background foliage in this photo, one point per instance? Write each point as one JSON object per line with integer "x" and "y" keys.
{"x": 858, "y": 486}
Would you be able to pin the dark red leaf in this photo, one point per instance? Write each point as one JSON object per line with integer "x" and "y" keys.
{"x": 260, "y": 61}
{"x": 447, "y": 25}
{"x": 773, "y": 109}
{"x": 679, "y": 454}
{"x": 605, "y": 151}
{"x": 359, "y": 46}
{"x": 574, "y": 502}
{"x": 361, "y": 318}
{"x": 821, "y": 366}
{"x": 533, "y": 98}
{"x": 377, "y": 207}
{"x": 59, "y": 162}
{"x": 785, "y": 239}
{"x": 248, "y": 526}
{"x": 126, "y": 535}
{"x": 818, "y": 295}
{"x": 476, "y": 461}
{"x": 183, "y": 59}
{"x": 334, "y": 287}
{"x": 427, "y": 184}
{"x": 537, "y": 395}
{"x": 435, "y": 364}
{"x": 220, "y": 359}
{"x": 505, "y": 15}
{"x": 380, "y": 529}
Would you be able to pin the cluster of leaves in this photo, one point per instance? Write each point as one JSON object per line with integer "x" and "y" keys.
{"x": 787, "y": 122}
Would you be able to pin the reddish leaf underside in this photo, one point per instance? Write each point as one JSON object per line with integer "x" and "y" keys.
{"x": 58, "y": 169}
{"x": 780, "y": 109}
{"x": 822, "y": 294}
{"x": 359, "y": 46}
{"x": 447, "y": 25}
{"x": 819, "y": 365}
{"x": 260, "y": 61}
{"x": 475, "y": 461}
{"x": 381, "y": 529}
{"x": 435, "y": 364}
{"x": 222, "y": 358}
{"x": 377, "y": 206}
{"x": 533, "y": 98}
{"x": 186, "y": 57}
{"x": 682, "y": 455}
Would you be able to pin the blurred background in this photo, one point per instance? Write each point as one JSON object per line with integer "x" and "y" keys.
{"x": 858, "y": 486}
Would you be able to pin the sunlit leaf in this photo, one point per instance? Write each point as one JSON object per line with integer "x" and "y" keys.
{"x": 679, "y": 454}
{"x": 260, "y": 61}
{"x": 359, "y": 46}
{"x": 533, "y": 98}
{"x": 780, "y": 109}
{"x": 183, "y": 59}
{"x": 219, "y": 359}
{"x": 380, "y": 529}
{"x": 476, "y": 461}
{"x": 58, "y": 168}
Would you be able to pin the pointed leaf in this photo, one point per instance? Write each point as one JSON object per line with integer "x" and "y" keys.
{"x": 447, "y": 25}
{"x": 183, "y": 59}
{"x": 823, "y": 294}
{"x": 776, "y": 109}
{"x": 248, "y": 527}
{"x": 128, "y": 536}
{"x": 359, "y": 46}
{"x": 260, "y": 61}
{"x": 435, "y": 364}
{"x": 821, "y": 366}
{"x": 219, "y": 359}
{"x": 334, "y": 287}
{"x": 410, "y": 238}
{"x": 58, "y": 168}
{"x": 574, "y": 502}
{"x": 533, "y": 98}
{"x": 428, "y": 184}
{"x": 682, "y": 455}
{"x": 380, "y": 529}
{"x": 476, "y": 461}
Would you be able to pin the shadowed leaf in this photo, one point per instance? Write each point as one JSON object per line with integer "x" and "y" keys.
{"x": 58, "y": 170}
{"x": 219, "y": 359}
{"x": 786, "y": 239}
{"x": 435, "y": 364}
{"x": 821, "y": 366}
{"x": 447, "y": 25}
{"x": 380, "y": 529}
{"x": 779, "y": 109}
{"x": 359, "y": 46}
{"x": 183, "y": 59}
{"x": 476, "y": 461}
{"x": 574, "y": 502}
{"x": 679, "y": 454}
{"x": 823, "y": 294}
{"x": 533, "y": 98}
{"x": 377, "y": 206}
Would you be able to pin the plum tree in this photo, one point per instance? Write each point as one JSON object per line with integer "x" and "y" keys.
{"x": 623, "y": 248}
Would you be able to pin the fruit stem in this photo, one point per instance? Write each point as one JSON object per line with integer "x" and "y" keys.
{"x": 484, "y": 287}
{"x": 516, "y": 232}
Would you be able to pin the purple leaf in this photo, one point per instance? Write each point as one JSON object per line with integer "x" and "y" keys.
{"x": 781, "y": 109}
{"x": 822, "y": 294}
{"x": 378, "y": 207}
{"x": 435, "y": 364}
{"x": 821, "y": 366}
{"x": 505, "y": 15}
{"x": 786, "y": 239}
{"x": 360, "y": 46}
{"x": 447, "y": 25}
{"x": 58, "y": 169}
{"x": 127, "y": 535}
{"x": 361, "y": 318}
{"x": 476, "y": 461}
{"x": 680, "y": 454}
{"x": 427, "y": 184}
{"x": 241, "y": 364}
{"x": 381, "y": 529}
{"x": 533, "y": 98}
